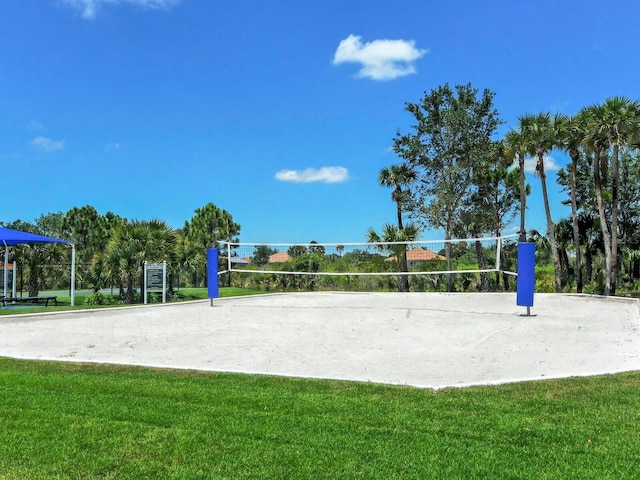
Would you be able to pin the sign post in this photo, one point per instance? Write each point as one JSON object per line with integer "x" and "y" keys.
{"x": 155, "y": 279}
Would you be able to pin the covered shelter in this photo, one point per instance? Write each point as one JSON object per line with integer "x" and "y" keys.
{"x": 9, "y": 238}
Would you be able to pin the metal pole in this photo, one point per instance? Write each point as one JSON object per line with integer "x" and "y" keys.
{"x": 164, "y": 281}
{"x": 13, "y": 284}
{"x": 73, "y": 274}
{"x": 144, "y": 287}
{"x": 6, "y": 265}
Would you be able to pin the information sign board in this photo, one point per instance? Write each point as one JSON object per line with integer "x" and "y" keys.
{"x": 155, "y": 279}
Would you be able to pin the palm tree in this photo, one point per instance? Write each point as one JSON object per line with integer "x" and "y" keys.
{"x": 389, "y": 241}
{"x": 596, "y": 140}
{"x": 621, "y": 126}
{"x": 398, "y": 177}
{"x": 515, "y": 144}
{"x": 569, "y": 134}
{"x": 539, "y": 139}
{"x": 132, "y": 244}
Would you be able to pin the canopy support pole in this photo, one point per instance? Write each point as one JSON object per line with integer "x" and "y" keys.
{"x": 6, "y": 267}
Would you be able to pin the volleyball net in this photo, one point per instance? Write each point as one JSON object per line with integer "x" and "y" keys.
{"x": 426, "y": 265}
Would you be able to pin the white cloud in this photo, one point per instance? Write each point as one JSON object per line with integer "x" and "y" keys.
{"x": 89, "y": 8}
{"x": 379, "y": 59}
{"x": 112, "y": 146}
{"x": 550, "y": 164}
{"x": 324, "y": 174}
{"x": 46, "y": 144}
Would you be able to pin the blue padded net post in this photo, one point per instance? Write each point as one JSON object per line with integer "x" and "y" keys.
{"x": 212, "y": 273}
{"x": 526, "y": 274}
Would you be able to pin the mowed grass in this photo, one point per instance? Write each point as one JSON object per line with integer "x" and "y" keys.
{"x": 64, "y": 303}
{"x": 79, "y": 421}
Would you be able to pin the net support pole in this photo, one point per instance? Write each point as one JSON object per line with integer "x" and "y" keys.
{"x": 212, "y": 274}
{"x": 525, "y": 285}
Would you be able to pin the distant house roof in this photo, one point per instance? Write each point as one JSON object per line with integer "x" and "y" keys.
{"x": 239, "y": 261}
{"x": 419, "y": 255}
{"x": 279, "y": 257}
{"x": 247, "y": 259}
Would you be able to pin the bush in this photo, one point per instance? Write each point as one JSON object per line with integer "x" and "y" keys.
{"x": 98, "y": 298}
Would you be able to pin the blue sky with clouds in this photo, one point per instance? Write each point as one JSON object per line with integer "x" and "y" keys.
{"x": 281, "y": 112}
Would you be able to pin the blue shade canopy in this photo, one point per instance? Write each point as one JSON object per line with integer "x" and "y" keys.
{"x": 10, "y": 237}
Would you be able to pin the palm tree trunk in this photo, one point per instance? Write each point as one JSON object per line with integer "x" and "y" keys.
{"x": 32, "y": 285}
{"x": 403, "y": 280}
{"x": 614, "y": 219}
{"x": 523, "y": 200}
{"x": 606, "y": 237}
{"x": 574, "y": 220}
{"x": 550, "y": 228}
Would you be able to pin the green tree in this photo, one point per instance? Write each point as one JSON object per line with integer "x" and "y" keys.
{"x": 492, "y": 203}
{"x": 399, "y": 177}
{"x": 190, "y": 258}
{"x": 453, "y": 130}
{"x": 515, "y": 148}
{"x": 132, "y": 244}
{"x": 621, "y": 125}
{"x": 261, "y": 254}
{"x": 315, "y": 247}
{"x": 393, "y": 240}
{"x": 297, "y": 250}
{"x": 539, "y": 133}
{"x": 208, "y": 226}
{"x": 90, "y": 232}
{"x": 569, "y": 136}
{"x": 595, "y": 138}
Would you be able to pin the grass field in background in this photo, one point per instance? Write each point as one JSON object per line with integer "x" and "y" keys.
{"x": 64, "y": 302}
{"x": 65, "y": 420}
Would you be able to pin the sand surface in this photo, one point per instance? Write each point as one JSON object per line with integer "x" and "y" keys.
{"x": 429, "y": 340}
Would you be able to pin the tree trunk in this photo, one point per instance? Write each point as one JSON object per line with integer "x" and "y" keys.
{"x": 447, "y": 250}
{"x": 550, "y": 229}
{"x": 574, "y": 219}
{"x": 606, "y": 237}
{"x": 403, "y": 280}
{"x": 33, "y": 281}
{"x": 588, "y": 261}
{"x": 482, "y": 264}
{"x": 523, "y": 200}
{"x": 614, "y": 219}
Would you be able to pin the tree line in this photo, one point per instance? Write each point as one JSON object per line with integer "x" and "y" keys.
{"x": 111, "y": 250}
{"x": 456, "y": 175}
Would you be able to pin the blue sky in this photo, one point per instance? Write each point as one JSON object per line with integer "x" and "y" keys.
{"x": 281, "y": 112}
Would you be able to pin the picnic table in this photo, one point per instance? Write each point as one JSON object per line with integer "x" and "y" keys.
{"x": 45, "y": 299}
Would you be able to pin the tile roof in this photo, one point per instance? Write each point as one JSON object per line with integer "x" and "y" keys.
{"x": 279, "y": 257}
{"x": 419, "y": 254}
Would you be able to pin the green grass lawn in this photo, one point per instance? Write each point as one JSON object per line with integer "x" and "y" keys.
{"x": 65, "y": 420}
{"x": 64, "y": 301}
